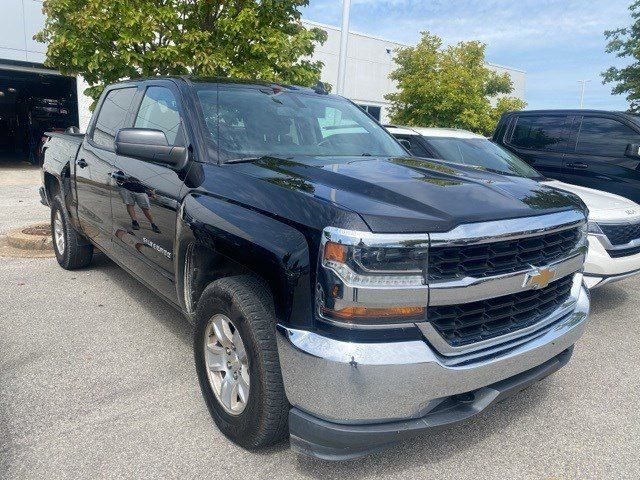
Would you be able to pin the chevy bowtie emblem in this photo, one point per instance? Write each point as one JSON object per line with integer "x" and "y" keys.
{"x": 539, "y": 278}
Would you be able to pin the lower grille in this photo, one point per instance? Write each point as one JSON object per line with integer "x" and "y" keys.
{"x": 621, "y": 234}
{"x": 624, "y": 252}
{"x": 472, "y": 322}
{"x": 482, "y": 260}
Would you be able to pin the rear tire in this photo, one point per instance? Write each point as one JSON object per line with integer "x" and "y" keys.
{"x": 71, "y": 249}
{"x": 246, "y": 308}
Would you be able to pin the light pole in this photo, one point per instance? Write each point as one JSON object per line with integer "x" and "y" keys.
{"x": 344, "y": 37}
{"x": 582, "y": 84}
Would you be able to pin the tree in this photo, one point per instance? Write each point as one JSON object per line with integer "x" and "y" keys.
{"x": 448, "y": 87}
{"x": 110, "y": 40}
{"x": 625, "y": 42}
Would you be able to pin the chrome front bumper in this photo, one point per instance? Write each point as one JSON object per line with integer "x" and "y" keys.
{"x": 365, "y": 383}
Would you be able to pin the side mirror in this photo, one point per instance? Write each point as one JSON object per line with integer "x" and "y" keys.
{"x": 633, "y": 150}
{"x": 150, "y": 145}
{"x": 405, "y": 143}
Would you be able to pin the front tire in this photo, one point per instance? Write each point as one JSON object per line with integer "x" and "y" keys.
{"x": 71, "y": 249}
{"x": 237, "y": 361}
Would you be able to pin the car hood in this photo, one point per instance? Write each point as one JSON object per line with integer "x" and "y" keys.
{"x": 603, "y": 206}
{"x": 407, "y": 194}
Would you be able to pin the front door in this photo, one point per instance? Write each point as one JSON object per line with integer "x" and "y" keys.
{"x": 95, "y": 164}
{"x": 540, "y": 140}
{"x": 147, "y": 197}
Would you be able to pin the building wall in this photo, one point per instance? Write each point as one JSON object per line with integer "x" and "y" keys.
{"x": 20, "y": 20}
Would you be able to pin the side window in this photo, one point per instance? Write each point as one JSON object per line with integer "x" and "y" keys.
{"x": 604, "y": 136}
{"x": 416, "y": 149}
{"x": 159, "y": 111}
{"x": 112, "y": 116}
{"x": 539, "y": 133}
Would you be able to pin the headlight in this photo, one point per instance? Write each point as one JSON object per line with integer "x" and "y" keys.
{"x": 593, "y": 227}
{"x": 378, "y": 268}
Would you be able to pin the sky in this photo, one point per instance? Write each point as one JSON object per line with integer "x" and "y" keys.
{"x": 557, "y": 42}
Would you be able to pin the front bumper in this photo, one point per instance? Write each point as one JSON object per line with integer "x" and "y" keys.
{"x": 401, "y": 386}
{"x": 600, "y": 268}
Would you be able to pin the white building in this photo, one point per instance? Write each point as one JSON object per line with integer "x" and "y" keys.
{"x": 28, "y": 89}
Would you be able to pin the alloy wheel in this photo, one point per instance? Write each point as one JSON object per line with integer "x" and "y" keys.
{"x": 227, "y": 364}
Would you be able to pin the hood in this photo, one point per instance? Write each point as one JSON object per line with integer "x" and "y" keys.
{"x": 603, "y": 206}
{"x": 407, "y": 194}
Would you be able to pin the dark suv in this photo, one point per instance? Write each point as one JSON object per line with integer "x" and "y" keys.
{"x": 593, "y": 148}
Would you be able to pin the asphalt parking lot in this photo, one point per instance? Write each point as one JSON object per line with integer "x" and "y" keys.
{"x": 97, "y": 381}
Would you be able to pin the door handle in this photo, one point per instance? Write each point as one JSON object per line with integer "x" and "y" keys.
{"x": 82, "y": 163}
{"x": 577, "y": 165}
{"x": 118, "y": 176}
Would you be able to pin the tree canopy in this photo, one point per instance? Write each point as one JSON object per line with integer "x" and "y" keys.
{"x": 449, "y": 87}
{"x": 625, "y": 43}
{"x": 109, "y": 40}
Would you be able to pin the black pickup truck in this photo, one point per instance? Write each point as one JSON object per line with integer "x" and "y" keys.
{"x": 343, "y": 292}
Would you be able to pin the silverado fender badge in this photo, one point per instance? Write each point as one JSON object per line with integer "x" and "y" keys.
{"x": 156, "y": 247}
{"x": 539, "y": 278}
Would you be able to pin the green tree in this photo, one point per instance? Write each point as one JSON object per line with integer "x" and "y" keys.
{"x": 109, "y": 40}
{"x": 625, "y": 43}
{"x": 448, "y": 87}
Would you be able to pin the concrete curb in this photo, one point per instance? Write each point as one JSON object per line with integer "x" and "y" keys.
{"x": 29, "y": 241}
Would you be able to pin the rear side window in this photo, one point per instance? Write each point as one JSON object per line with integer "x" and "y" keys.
{"x": 159, "y": 111}
{"x": 112, "y": 116}
{"x": 539, "y": 133}
{"x": 604, "y": 136}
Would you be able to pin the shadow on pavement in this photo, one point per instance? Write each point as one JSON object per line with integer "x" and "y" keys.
{"x": 608, "y": 297}
{"x": 163, "y": 311}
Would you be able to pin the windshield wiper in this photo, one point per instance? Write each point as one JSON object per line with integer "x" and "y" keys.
{"x": 245, "y": 159}
{"x": 255, "y": 159}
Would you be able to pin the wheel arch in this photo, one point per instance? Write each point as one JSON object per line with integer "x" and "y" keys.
{"x": 217, "y": 239}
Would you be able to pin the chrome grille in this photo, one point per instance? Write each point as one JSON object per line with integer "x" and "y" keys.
{"x": 490, "y": 259}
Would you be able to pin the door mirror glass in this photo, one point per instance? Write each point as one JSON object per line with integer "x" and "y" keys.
{"x": 633, "y": 150}
{"x": 149, "y": 145}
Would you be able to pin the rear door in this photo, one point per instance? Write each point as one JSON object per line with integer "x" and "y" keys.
{"x": 147, "y": 194}
{"x": 95, "y": 164}
{"x": 597, "y": 159}
{"x": 540, "y": 140}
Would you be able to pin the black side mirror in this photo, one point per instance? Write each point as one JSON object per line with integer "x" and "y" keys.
{"x": 405, "y": 143}
{"x": 150, "y": 145}
{"x": 633, "y": 150}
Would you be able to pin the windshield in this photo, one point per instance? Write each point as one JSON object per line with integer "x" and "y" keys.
{"x": 481, "y": 153}
{"x": 254, "y": 122}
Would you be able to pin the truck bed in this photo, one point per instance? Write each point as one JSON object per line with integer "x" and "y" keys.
{"x": 61, "y": 150}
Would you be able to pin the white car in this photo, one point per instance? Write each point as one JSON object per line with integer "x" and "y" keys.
{"x": 614, "y": 221}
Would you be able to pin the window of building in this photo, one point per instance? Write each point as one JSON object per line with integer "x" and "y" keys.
{"x": 159, "y": 111}
{"x": 605, "y": 137}
{"x": 539, "y": 132}
{"x": 112, "y": 116}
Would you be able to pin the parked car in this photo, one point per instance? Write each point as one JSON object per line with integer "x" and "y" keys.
{"x": 343, "y": 292}
{"x": 614, "y": 221}
{"x": 592, "y": 148}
